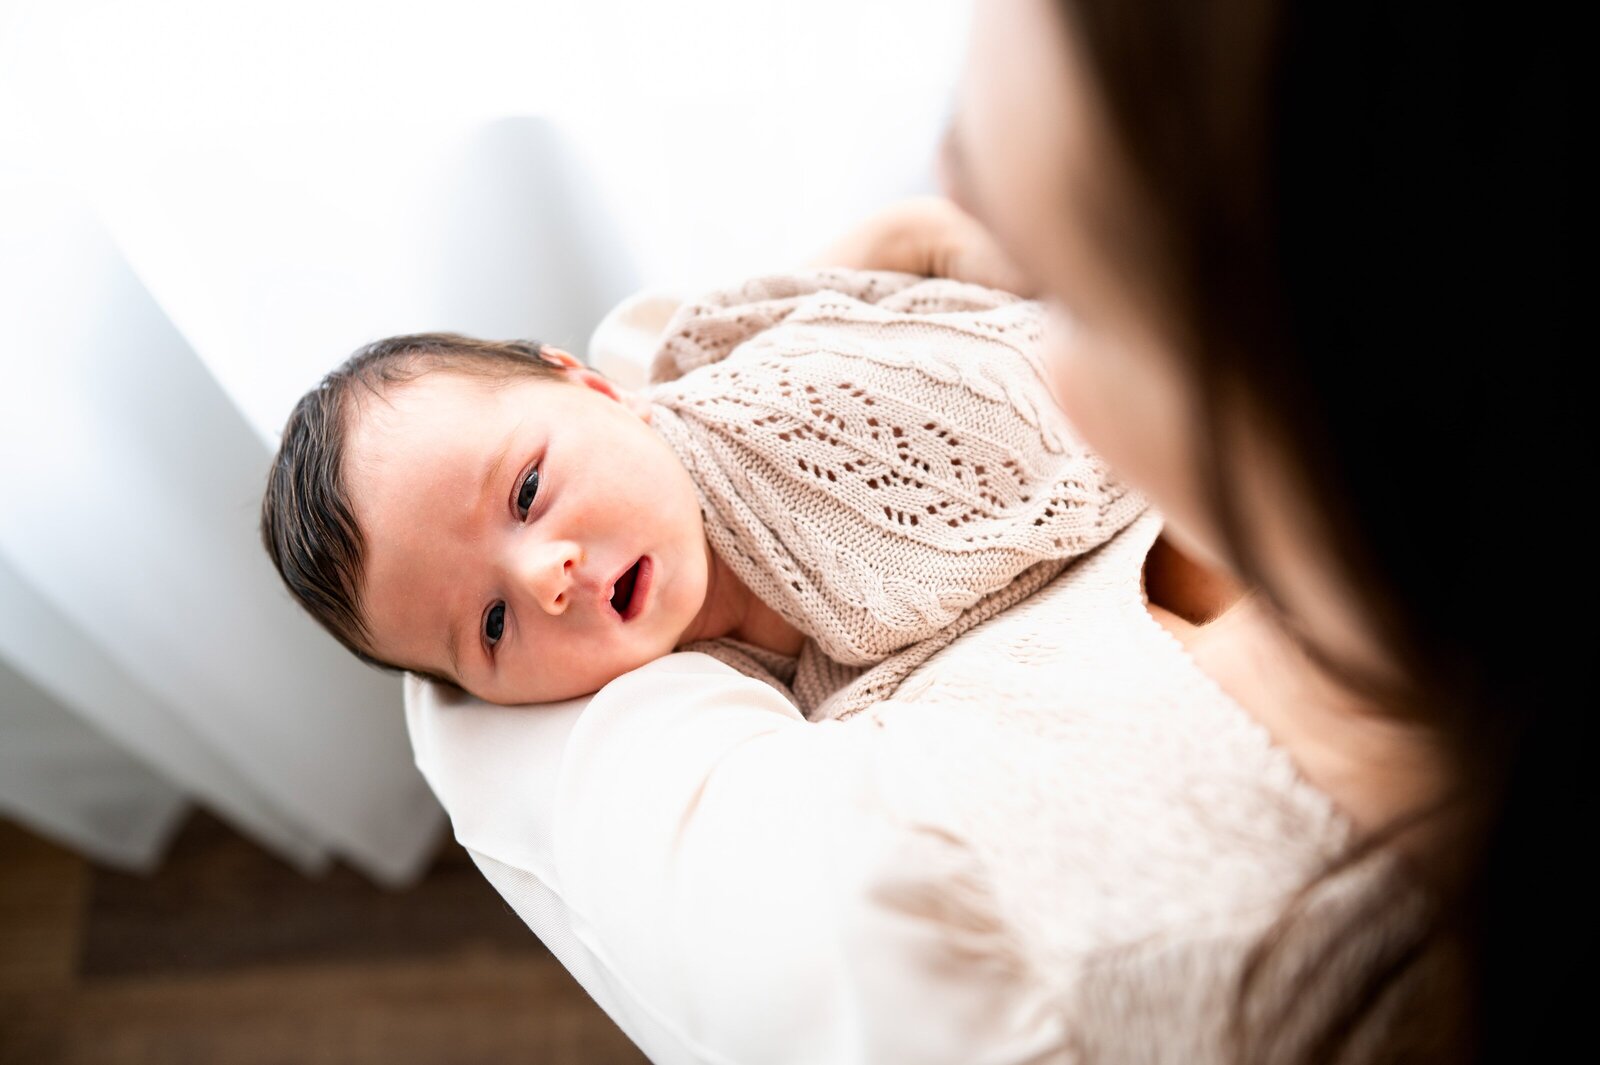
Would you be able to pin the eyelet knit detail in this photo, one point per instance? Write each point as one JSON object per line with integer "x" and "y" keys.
{"x": 880, "y": 460}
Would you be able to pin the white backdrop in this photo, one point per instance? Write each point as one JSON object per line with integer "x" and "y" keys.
{"x": 205, "y": 205}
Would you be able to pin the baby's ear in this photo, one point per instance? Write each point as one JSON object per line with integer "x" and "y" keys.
{"x": 598, "y": 381}
{"x": 552, "y": 354}
{"x": 635, "y": 402}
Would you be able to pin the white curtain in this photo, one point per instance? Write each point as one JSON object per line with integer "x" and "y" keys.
{"x": 205, "y": 206}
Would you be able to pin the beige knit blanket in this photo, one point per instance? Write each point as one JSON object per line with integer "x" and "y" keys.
{"x": 880, "y": 460}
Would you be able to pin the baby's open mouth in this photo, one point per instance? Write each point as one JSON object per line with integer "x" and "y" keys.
{"x": 622, "y": 592}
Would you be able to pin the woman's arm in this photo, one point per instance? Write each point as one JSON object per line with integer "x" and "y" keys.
{"x": 931, "y": 236}
{"x": 733, "y": 883}
{"x": 743, "y": 872}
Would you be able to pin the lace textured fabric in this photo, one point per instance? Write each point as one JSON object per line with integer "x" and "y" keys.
{"x": 880, "y": 459}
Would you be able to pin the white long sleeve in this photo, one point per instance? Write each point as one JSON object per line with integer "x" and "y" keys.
{"x": 790, "y": 916}
{"x": 728, "y": 880}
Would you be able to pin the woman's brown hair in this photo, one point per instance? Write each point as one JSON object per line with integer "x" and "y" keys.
{"x": 1354, "y": 218}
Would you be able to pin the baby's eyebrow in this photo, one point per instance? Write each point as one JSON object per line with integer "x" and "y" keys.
{"x": 492, "y": 473}
{"x": 493, "y": 468}
{"x": 452, "y": 641}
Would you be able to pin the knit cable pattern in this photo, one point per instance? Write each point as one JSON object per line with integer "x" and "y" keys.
{"x": 880, "y": 460}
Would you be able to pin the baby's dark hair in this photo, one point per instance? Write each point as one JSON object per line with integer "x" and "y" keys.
{"x": 306, "y": 521}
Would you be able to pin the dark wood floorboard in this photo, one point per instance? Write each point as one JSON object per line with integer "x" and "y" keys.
{"x": 225, "y": 956}
{"x": 219, "y": 903}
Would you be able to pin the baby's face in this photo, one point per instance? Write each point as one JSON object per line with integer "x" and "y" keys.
{"x": 529, "y": 539}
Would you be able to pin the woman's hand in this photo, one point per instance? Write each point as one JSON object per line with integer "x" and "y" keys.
{"x": 931, "y": 236}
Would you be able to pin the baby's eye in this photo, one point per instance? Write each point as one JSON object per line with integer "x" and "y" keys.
{"x": 494, "y": 623}
{"x": 526, "y": 493}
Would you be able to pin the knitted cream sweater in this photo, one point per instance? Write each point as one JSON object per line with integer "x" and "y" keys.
{"x": 879, "y": 459}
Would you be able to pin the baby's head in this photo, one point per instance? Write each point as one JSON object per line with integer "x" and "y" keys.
{"x": 493, "y": 515}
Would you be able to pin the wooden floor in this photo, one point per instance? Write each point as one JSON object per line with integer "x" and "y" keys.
{"x": 228, "y": 957}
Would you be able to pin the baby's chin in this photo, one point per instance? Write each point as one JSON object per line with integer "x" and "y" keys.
{"x": 542, "y": 698}
{"x": 545, "y": 695}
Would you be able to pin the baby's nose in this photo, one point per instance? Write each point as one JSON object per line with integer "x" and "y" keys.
{"x": 551, "y": 574}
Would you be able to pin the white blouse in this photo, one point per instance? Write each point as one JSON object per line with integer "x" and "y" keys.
{"x": 1057, "y": 842}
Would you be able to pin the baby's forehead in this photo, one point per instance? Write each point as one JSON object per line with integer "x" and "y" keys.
{"x": 386, "y": 402}
{"x": 439, "y": 401}
{"x": 404, "y": 425}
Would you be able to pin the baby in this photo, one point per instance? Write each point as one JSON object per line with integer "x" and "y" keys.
{"x": 832, "y": 474}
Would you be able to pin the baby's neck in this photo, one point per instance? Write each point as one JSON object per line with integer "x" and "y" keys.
{"x": 765, "y": 627}
{"x": 733, "y": 610}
